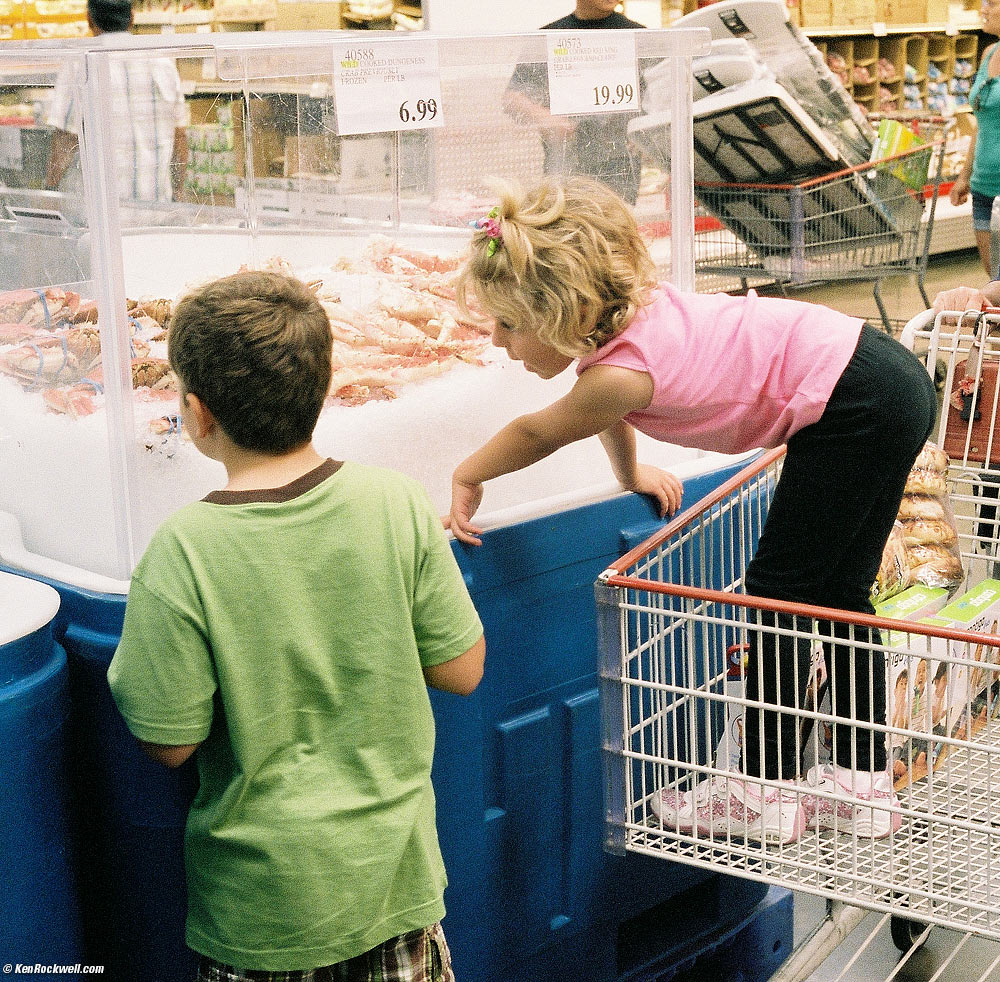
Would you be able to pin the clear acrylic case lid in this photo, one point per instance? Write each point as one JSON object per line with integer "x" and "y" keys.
{"x": 277, "y": 171}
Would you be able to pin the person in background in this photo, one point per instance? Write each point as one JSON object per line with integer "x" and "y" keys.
{"x": 594, "y": 145}
{"x": 284, "y": 631}
{"x": 970, "y": 298}
{"x": 980, "y": 174}
{"x": 564, "y": 272}
{"x": 148, "y": 112}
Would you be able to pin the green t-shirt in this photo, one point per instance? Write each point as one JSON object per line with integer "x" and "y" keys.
{"x": 288, "y": 634}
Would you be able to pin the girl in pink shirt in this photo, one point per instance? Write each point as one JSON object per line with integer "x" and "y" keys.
{"x": 564, "y": 272}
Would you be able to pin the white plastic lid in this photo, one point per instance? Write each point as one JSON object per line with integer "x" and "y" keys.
{"x": 25, "y": 606}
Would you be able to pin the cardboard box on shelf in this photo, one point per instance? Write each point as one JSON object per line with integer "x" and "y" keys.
{"x": 308, "y": 15}
{"x": 815, "y": 13}
{"x": 861, "y": 12}
{"x": 248, "y": 11}
{"x": 197, "y": 69}
{"x": 311, "y": 154}
{"x": 905, "y": 12}
{"x": 182, "y": 28}
{"x": 267, "y": 145}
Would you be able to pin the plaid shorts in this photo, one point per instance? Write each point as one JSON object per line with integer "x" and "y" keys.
{"x": 418, "y": 956}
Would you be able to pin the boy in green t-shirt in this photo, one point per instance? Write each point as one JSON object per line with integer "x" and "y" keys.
{"x": 286, "y": 628}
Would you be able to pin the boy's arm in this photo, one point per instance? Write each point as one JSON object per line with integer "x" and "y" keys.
{"x": 460, "y": 675}
{"x": 161, "y": 676}
{"x": 169, "y": 756}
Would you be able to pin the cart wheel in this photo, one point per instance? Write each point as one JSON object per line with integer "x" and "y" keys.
{"x": 905, "y": 933}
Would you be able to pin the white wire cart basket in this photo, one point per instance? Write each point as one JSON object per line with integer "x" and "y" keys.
{"x": 866, "y": 222}
{"x": 673, "y": 629}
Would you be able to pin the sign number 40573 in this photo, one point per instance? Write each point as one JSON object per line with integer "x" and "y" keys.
{"x": 422, "y": 109}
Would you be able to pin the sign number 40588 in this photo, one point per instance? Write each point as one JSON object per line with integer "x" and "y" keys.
{"x": 423, "y": 109}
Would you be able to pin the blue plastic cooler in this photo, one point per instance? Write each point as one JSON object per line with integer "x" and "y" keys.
{"x": 39, "y": 920}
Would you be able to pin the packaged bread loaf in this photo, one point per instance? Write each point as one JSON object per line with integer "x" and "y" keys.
{"x": 934, "y": 565}
{"x": 928, "y": 523}
{"x": 894, "y": 570}
{"x": 930, "y": 458}
{"x": 920, "y": 507}
{"x": 923, "y": 543}
{"x": 924, "y": 480}
{"x": 918, "y": 531}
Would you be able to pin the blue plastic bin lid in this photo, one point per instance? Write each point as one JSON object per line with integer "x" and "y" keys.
{"x": 25, "y": 606}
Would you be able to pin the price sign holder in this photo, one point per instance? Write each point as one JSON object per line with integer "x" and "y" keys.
{"x": 592, "y": 72}
{"x": 381, "y": 86}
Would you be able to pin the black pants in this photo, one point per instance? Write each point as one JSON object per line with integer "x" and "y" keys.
{"x": 822, "y": 543}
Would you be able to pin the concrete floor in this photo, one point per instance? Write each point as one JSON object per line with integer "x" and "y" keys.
{"x": 900, "y": 294}
{"x": 944, "y": 957}
{"x": 880, "y": 958}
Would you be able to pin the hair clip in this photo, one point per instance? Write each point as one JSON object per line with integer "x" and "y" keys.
{"x": 491, "y": 227}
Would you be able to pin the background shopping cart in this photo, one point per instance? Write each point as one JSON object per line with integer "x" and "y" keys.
{"x": 867, "y": 222}
{"x": 671, "y": 614}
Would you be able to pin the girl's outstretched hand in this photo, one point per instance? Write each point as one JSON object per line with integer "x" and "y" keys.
{"x": 465, "y": 499}
{"x": 659, "y": 485}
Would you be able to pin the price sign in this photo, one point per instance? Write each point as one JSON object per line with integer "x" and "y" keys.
{"x": 592, "y": 72}
{"x": 387, "y": 85}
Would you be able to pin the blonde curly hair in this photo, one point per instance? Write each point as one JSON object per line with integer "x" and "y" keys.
{"x": 570, "y": 266}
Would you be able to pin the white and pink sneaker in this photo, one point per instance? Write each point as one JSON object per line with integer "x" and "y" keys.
{"x": 855, "y": 810}
{"x": 731, "y": 806}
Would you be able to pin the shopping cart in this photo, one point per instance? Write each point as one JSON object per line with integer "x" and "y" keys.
{"x": 867, "y": 222}
{"x": 673, "y": 631}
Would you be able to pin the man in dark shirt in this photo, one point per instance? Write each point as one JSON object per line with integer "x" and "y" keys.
{"x": 594, "y": 145}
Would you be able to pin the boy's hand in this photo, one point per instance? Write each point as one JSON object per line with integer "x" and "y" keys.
{"x": 661, "y": 485}
{"x": 465, "y": 499}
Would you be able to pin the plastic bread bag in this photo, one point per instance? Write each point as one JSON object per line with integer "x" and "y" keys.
{"x": 928, "y": 523}
{"x": 894, "y": 570}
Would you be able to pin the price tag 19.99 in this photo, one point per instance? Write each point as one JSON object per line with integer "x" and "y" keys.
{"x": 592, "y": 72}
{"x": 381, "y": 86}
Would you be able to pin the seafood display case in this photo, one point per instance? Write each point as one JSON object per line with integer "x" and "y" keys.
{"x": 356, "y": 165}
{"x": 91, "y": 456}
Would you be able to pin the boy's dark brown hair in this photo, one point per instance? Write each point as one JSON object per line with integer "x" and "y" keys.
{"x": 255, "y": 348}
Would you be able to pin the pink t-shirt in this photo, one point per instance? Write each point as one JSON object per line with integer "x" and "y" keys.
{"x": 731, "y": 373}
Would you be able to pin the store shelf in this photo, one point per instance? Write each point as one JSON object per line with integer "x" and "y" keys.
{"x": 313, "y": 90}
{"x": 878, "y": 29}
{"x": 154, "y": 18}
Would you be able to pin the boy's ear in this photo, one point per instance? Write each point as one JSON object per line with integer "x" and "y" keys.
{"x": 202, "y": 422}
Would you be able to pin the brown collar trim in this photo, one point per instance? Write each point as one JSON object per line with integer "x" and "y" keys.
{"x": 298, "y": 487}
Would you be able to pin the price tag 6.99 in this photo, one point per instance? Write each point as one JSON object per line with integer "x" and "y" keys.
{"x": 387, "y": 85}
{"x": 592, "y": 72}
